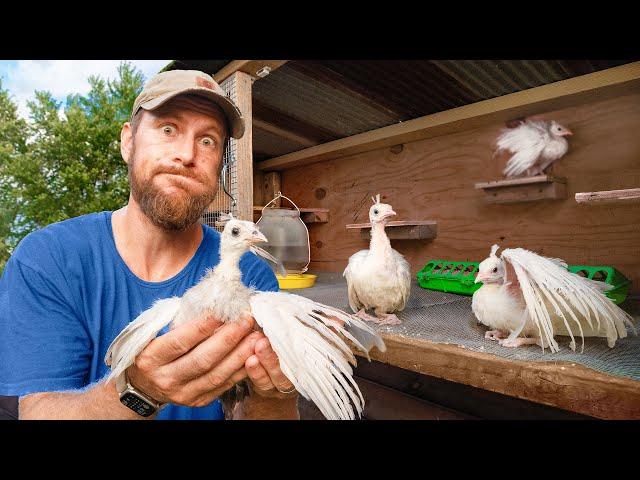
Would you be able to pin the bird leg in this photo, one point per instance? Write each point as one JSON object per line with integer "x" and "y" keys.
{"x": 518, "y": 342}
{"x": 495, "y": 334}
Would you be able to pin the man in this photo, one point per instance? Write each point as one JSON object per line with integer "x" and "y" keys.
{"x": 71, "y": 287}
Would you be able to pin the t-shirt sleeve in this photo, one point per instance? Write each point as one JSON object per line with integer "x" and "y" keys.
{"x": 44, "y": 345}
{"x": 257, "y": 273}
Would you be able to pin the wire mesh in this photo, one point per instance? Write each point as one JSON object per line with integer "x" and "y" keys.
{"x": 227, "y": 194}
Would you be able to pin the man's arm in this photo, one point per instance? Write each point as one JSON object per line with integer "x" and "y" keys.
{"x": 191, "y": 365}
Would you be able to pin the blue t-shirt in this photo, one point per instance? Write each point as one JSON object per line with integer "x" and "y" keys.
{"x": 66, "y": 293}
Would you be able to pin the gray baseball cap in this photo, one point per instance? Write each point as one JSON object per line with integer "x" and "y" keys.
{"x": 166, "y": 85}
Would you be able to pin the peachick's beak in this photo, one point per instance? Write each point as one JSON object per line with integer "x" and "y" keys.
{"x": 390, "y": 213}
{"x": 257, "y": 237}
{"x": 479, "y": 278}
{"x": 568, "y": 132}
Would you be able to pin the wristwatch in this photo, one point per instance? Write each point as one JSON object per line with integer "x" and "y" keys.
{"x": 134, "y": 399}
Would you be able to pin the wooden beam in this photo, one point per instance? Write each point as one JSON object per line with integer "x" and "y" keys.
{"x": 244, "y": 152}
{"x": 597, "y": 86}
{"x": 283, "y": 120}
{"x": 609, "y": 197}
{"x": 327, "y": 76}
{"x": 250, "y": 67}
{"x": 283, "y": 133}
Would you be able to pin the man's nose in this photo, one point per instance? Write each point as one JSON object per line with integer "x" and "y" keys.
{"x": 185, "y": 150}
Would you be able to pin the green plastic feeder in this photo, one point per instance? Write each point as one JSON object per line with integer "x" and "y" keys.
{"x": 458, "y": 277}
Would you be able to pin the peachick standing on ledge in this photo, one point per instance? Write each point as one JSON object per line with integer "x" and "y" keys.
{"x": 378, "y": 278}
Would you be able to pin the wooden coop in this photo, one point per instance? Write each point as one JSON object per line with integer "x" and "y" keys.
{"x": 330, "y": 134}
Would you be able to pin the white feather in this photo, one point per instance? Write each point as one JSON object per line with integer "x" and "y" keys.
{"x": 137, "y": 335}
{"x": 534, "y": 146}
{"x": 550, "y": 291}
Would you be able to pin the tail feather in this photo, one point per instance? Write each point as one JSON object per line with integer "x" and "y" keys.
{"x": 138, "y": 334}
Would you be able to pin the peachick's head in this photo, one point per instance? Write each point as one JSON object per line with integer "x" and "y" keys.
{"x": 559, "y": 130}
{"x": 241, "y": 235}
{"x": 491, "y": 270}
{"x": 380, "y": 212}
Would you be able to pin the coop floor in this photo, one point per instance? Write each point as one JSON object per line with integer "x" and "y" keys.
{"x": 447, "y": 318}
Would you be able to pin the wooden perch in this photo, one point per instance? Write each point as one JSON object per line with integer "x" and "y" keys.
{"x": 528, "y": 189}
{"x": 401, "y": 230}
{"x": 609, "y": 197}
{"x": 308, "y": 215}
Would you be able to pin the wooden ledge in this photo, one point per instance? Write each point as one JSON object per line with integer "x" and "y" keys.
{"x": 609, "y": 197}
{"x": 401, "y": 230}
{"x": 527, "y": 189}
{"x": 308, "y": 215}
{"x": 560, "y": 384}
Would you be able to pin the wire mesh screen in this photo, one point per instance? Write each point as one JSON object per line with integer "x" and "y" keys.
{"x": 227, "y": 195}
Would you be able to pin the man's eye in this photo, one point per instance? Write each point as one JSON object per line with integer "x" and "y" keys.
{"x": 167, "y": 129}
{"x": 208, "y": 142}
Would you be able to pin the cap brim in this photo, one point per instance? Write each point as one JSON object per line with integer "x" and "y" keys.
{"x": 234, "y": 117}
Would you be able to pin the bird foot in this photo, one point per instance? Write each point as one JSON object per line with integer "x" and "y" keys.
{"x": 366, "y": 317}
{"x": 518, "y": 342}
{"x": 389, "y": 319}
{"x": 495, "y": 335}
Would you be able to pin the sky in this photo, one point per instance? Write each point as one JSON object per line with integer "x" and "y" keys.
{"x": 61, "y": 77}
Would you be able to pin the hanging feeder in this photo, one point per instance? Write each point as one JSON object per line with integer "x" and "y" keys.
{"x": 288, "y": 241}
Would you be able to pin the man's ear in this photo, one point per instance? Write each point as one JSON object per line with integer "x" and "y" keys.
{"x": 126, "y": 141}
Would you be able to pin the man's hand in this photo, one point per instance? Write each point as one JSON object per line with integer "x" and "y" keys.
{"x": 263, "y": 369}
{"x": 195, "y": 363}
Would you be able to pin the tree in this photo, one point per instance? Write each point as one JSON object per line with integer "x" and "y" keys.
{"x": 59, "y": 166}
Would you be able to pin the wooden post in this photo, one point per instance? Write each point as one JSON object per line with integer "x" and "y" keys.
{"x": 271, "y": 186}
{"x": 244, "y": 152}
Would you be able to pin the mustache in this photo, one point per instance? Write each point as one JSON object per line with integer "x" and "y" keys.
{"x": 185, "y": 172}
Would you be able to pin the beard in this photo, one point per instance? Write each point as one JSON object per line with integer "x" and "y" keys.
{"x": 174, "y": 212}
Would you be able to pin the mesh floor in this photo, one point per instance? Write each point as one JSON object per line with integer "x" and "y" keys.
{"x": 447, "y": 318}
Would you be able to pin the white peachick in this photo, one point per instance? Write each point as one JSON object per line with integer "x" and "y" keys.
{"x": 535, "y": 145}
{"x": 378, "y": 278}
{"x": 529, "y": 299}
{"x": 301, "y": 332}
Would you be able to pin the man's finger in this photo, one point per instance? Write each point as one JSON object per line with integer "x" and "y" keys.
{"x": 179, "y": 341}
{"x": 269, "y": 360}
{"x": 219, "y": 374}
{"x": 257, "y": 374}
{"x": 211, "y": 351}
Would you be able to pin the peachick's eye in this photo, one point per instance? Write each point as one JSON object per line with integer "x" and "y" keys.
{"x": 495, "y": 270}
{"x": 375, "y": 212}
{"x": 235, "y": 231}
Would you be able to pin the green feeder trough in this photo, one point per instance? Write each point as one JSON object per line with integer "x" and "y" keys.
{"x": 458, "y": 277}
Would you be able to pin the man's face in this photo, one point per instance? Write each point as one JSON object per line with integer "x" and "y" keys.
{"x": 174, "y": 161}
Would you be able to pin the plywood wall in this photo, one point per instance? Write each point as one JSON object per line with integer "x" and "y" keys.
{"x": 434, "y": 179}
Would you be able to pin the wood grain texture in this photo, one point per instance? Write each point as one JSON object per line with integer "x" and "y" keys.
{"x": 609, "y": 197}
{"x": 435, "y": 179}
{"x": 559, "y": 384}
{"x": 244, "y": 152}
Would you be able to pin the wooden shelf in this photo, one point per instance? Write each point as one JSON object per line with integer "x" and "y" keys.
{"x": 609, "y": 197}
{"x": 401, "y": 230}
{"x": 527, "y": 189}
{"x": 308, "y": 215}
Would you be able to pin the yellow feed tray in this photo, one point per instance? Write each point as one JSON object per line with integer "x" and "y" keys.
{"x": 293, "y": 280}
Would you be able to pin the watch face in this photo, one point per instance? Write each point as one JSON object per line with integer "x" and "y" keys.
{"x": 136, "y": 404}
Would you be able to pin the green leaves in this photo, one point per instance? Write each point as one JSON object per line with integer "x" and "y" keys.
{"x": 66, "y": 161}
